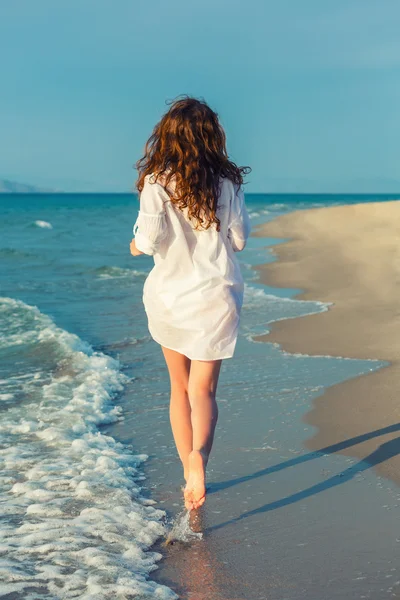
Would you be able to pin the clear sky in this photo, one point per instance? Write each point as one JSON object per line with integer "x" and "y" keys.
{"x": 307, "y": 90}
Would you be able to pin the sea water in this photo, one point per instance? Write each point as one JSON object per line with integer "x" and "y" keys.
{"x": 76, "y": 361}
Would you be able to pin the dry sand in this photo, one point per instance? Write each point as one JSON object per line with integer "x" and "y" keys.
{"x": 349, "y": 256}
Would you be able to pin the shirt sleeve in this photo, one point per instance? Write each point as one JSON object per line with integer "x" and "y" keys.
{"x": 239, "y": 222}
{"x": 150, "y": 227}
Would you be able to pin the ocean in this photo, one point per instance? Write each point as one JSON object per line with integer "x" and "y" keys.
{"x": 89, "y": 483}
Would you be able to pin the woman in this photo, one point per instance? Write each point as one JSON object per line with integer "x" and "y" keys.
{"x": 192, "y": 219}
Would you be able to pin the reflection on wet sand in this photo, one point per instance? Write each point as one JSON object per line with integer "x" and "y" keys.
{"x": 201, "y": 575}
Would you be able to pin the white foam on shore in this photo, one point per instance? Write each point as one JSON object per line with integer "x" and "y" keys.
{"x": 75, "y": 523}
{"x": 267, "y": 308}
{"x": 260, "y": 309}
{"x": 278, "y": 308}
{"x": 258, "y": 213}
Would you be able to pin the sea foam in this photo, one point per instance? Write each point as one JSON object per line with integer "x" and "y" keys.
{"x": 75, "y": 522}
{"x": 276, "y": 308}
{"x": 110, "y": 272}
{"x": 43, "y": 224}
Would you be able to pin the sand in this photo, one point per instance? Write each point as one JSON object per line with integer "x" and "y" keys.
{"x": 348, "y": 256}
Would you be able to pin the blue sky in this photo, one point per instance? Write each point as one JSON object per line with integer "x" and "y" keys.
{"x": 308, "y": 91}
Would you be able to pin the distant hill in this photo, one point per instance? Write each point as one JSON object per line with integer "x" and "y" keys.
{"x": 13, "y": 187}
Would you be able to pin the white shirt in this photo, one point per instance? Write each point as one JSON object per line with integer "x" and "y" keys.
{"x": 194, "y": 293}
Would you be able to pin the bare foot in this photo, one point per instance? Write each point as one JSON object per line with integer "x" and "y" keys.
{"x": 195, "y": 490}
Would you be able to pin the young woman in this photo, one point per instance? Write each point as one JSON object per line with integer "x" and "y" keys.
{"x": 192, "y": 219}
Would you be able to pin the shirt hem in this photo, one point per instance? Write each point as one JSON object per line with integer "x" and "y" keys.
{"x": 190, "y": 357}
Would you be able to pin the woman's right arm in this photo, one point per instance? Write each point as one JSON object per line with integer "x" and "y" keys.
{"x": 150, "y": 228}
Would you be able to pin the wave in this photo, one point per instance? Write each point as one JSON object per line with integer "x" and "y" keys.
{"x": 43, "y": 224}
{"x": 14, "y": 253}
{"x": 260, "y": 309}
{"x": 75, "y": 522}
{"x": 117, "y": 272}
{"x": 258, "y": 213}
{"x": 278, "y": 306}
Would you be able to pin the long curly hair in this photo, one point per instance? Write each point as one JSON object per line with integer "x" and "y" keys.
{"x": 189, "y": 145}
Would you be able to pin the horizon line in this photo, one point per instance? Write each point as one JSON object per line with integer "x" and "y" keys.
{"x": 321, "y": 193}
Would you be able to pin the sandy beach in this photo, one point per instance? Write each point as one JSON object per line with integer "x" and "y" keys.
{"x": 348, "y": 256}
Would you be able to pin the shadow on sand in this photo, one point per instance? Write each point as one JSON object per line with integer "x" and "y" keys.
{"x": 384, "y": 452}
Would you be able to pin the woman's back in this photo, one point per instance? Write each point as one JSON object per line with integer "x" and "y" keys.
{"x": 194, "y": 292}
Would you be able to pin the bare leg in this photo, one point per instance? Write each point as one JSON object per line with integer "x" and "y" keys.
{"x": 179, "y": 410}
{"x": 203, "y": 381}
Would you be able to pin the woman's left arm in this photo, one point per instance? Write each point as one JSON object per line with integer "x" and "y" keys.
{"x": 134, "y": 251}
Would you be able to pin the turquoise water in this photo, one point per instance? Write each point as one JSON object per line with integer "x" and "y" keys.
{"x": 77, "y": 365}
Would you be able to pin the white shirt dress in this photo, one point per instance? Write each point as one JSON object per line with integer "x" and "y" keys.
{"x": 194, "y": 293}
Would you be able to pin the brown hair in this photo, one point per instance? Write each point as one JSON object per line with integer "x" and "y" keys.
{"x": 189, "y": 144}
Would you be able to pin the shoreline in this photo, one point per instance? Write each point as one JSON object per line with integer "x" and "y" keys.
{"x": 347, "y": 256}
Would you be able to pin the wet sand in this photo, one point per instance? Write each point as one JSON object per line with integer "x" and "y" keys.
{"x": 348, "y": 256}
